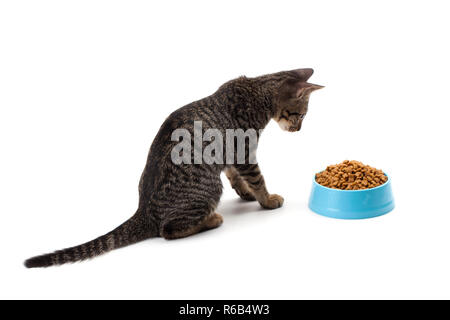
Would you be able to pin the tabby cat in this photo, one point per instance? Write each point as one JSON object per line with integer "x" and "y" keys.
{"x": 179, "y": 200}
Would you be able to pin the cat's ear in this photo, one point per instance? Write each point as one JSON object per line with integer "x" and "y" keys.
{"x": 305, "y": 88}
{"x": 304, "y": 74}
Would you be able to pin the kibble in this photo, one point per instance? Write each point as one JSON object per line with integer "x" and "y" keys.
{"x": 351, "y": 175}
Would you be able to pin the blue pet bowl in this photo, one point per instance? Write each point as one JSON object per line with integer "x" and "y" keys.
{"x": 351, "y": 204}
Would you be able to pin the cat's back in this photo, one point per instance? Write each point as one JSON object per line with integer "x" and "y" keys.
{"x": 159, "y": 163}
{"x": 211, "y": 111}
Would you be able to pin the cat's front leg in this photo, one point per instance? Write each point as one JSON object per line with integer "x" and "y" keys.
{"x": 238, "y": 184}
{"x": 251, "y": 174}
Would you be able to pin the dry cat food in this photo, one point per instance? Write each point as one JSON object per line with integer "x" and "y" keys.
{"x": 351, "y": 175}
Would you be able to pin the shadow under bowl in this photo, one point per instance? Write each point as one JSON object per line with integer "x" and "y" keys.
{"x": 351, "y": 204}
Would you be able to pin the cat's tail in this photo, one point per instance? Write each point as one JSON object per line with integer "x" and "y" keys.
{"x": 136, "y": 229}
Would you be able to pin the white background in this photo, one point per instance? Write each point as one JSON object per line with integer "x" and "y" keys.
{"x": 85, "y": 85}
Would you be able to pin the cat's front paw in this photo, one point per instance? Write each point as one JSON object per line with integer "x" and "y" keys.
{"x": 273, "y": 201}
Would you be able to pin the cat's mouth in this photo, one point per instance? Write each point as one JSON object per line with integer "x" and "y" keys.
{"x": 289, "y": 126}
{"x": 295, "y": 128}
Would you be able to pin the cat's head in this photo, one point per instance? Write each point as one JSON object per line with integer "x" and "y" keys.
{"x": 292, "y": 98}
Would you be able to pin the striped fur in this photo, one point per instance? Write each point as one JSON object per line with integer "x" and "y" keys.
{"x": 135, "y": 229}
{"x": 176, "y": 201}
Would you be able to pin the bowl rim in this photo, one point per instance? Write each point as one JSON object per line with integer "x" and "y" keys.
{"x": 360, "y": 190}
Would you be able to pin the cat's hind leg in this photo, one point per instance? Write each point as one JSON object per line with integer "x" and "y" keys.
{"x": 187, "y": 224}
